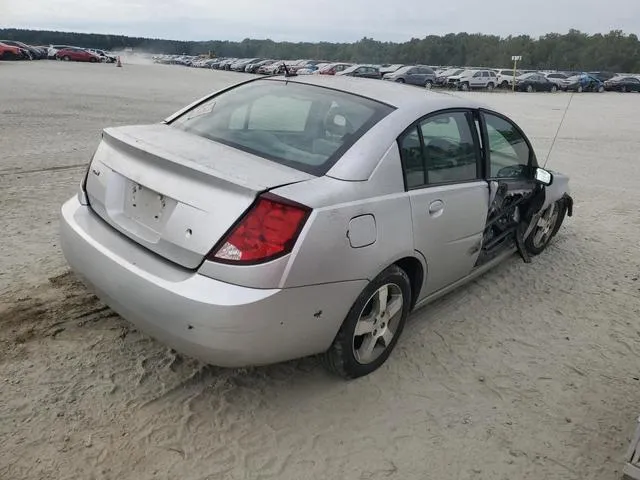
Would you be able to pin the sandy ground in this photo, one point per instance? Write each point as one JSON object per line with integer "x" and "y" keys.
{"x": 530, "y": 372}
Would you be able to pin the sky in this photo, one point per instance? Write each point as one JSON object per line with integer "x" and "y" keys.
{"x": 320, "y": 20}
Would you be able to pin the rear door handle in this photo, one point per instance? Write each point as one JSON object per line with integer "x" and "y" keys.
{"x": 436, "y": 206}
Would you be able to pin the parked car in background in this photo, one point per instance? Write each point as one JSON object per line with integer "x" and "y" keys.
{"x": 534, "y": 82}
{"x": 556, "y": 77}
{"x": 472, "y": 79}
{"x": 602, "y": 76}
{"x": 32, "y": 53}
{"x": 104, "y": 56}
{"x": 505, "y": 77}
{"x": 583, "y": 83}
{"x": 442, "y": 78}
{"x": 386, "y": 68}
{"x": 11, "y": 52}
{"x": 363, "y": 71}
{"x": 333, "y": 68}
{"x": 241, "y": 65}
{"x": 77, "y": 55}
{"x": 53, "y": 49}
{"x": 622, "y": 84}
{"x": 413, "y": 75}
{"x": 290, "y": 219}
{"x": 254, "y": 66}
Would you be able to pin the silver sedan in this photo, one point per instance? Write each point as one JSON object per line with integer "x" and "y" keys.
{"x": 285, "y": 217}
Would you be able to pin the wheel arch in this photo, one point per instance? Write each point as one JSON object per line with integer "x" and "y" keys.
{"x": 416, "y": 271}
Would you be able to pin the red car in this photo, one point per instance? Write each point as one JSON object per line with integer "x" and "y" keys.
{"x": 9, "y": 52}
{"x": 77, "y": 55}
{"x": 333, "y": 68}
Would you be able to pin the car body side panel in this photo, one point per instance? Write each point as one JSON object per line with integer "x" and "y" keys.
{"x": 556, "y": 190}
{"x": 323, "y": 252}
{"x": 448, "y": 223}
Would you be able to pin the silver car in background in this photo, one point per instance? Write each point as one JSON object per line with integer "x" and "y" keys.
{"x": 286, "y": 217}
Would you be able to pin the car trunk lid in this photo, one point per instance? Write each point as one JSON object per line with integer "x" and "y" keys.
{"x": 176, "y": 193}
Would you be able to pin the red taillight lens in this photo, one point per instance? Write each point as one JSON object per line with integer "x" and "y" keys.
{"x": 268, "y": 230}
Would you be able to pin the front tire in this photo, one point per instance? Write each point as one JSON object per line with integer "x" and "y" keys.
{"x": 372, "y": 327}
{"x": 400, "y": 80}
{"x": 580, "y": 89}
{"x": 490, "y": 87}
{"x": 464, "y": 86}
{"x": 428, "y": 85}
{"x": 66, "y": 58}
{"x": 546, "y": 228}
{"x": 529, "y": 88}
{"x": 554, "y": 89}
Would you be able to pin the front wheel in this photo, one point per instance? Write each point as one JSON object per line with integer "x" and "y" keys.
{"x": 464, "y": 86}
{"x": 529, "y": 88}
{"x": 93, "y": 60}
{"x": 428, "y": 85}
{"x": 504, "y": 84}
{"x": 372, "y": 327}
{"x": 547, "y": 226}
{"x": 580, "y": 89}
{"x": 554, "y": 89}
{"x": 400, "y": 80}
{"x": 66, "y": 58}
{"x": 490, "y": 86}
{"x": 600, "y": 89}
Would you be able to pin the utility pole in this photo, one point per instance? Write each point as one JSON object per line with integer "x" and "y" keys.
{"x": 515, "y": 59}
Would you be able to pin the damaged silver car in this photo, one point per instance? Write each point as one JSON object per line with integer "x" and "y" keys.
{"x": 294, "y": 216}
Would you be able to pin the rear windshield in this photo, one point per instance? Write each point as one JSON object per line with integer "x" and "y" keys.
{"x": 302, "y": 126}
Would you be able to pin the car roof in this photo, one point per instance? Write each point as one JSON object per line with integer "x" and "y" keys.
{"x": 391, "y": 93}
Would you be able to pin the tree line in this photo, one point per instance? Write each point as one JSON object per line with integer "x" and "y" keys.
{"x": 614, "y": 51}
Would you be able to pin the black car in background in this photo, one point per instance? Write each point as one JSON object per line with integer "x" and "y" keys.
{"x": 622, "y": 84}
{"x": 363, "y": 71}
{"x": 535, "y": 82}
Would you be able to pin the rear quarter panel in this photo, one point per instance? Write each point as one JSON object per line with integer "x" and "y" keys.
{"x": 323, "y": 253}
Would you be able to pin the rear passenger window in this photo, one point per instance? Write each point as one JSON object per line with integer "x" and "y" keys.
{"x": 412, "y": 160}
{"x": 441, "y": 150}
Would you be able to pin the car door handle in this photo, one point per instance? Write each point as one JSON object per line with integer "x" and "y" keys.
{"x": 436, "y": 206}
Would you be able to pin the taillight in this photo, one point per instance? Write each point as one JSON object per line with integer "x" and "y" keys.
{"x": 268, "y": 230}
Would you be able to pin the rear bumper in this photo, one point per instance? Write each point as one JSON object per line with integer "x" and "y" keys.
{"x": 219, "y": 323}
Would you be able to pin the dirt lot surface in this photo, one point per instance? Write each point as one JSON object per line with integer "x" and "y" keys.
{"x": 531, "y": 372}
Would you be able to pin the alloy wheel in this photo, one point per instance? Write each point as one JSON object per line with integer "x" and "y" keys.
{"x": 377, "y": 324}
{"x": 545, "y": 226}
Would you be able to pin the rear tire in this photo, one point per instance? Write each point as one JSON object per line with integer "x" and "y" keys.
{"x": 580, "y": 89}
{"x": 547, "y": 227}
{"x": 490, "y": 86}
{"x": 600, "y": 89}
{"x": 400, "y": 80}
{"x": 504, "y": 84}
{"x": 378, "y": 326}
{"x": 529, "y": 88}
{"x": 554, "y": 89}
{"x": 93, "y": 60}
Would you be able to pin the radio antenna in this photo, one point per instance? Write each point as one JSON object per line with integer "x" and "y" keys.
{"x": 558, "y": 131}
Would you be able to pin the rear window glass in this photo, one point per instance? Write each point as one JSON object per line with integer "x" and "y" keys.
{"x": 302, "y": 126}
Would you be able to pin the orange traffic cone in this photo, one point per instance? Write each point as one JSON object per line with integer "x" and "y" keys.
{"x": 119, "y": 64}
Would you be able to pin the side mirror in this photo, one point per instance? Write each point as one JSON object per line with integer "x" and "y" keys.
{"x": 543, "y": 176}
